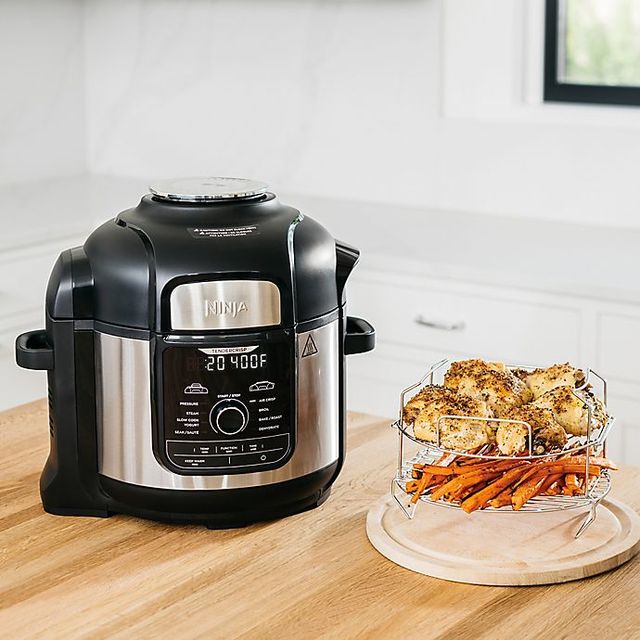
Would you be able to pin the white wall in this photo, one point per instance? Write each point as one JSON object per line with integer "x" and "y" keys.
{"x": 41, "y": 89}
{"x": 322, "y": 97}
{"x": 416, "y": 102}
{"x": 432, "y": 103}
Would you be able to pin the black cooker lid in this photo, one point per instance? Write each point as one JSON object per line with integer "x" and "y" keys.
{"x": 141, "y": 269}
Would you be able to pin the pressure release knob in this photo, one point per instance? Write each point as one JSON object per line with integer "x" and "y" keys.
{"x": 229, "y": 417}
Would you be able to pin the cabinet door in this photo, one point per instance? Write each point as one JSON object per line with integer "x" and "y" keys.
{"x": 377, "y": 378}
{"x": 487, "y": 325}
{"x": 20, "y": 385}
{"x": 619, "y": 347}
{"x": 23, "y": 279}
{"x": 623, "y": 444}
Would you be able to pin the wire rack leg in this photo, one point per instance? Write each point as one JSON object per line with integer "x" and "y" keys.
{"x": 590, "y": 517}
{"x": 408, "y": 507}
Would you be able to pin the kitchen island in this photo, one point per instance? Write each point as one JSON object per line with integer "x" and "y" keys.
{"x": 311, "y": 575}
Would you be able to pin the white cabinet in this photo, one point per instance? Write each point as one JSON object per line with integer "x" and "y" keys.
{"x": 23, "y": 278}
{"x": 376, "y": 378}
{"x": 624, "y": 442}
{"x": 491, "y": 324}
{"x": 18, "y": 385}
{"x": 619, "y": 347}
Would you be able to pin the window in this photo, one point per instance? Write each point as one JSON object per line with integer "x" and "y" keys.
{"x": 592, "y": 51}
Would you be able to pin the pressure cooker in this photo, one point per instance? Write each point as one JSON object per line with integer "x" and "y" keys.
{"x": 195, "y": 348}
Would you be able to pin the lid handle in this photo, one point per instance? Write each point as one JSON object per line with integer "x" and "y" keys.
{"x": 347, "y": 257}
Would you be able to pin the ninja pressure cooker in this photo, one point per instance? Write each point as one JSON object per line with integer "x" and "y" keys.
{"x": 195, "y": 348}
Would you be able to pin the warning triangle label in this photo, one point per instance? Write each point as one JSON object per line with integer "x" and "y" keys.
{"x": 310, "y": 348}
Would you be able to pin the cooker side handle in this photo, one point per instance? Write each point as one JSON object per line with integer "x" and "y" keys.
{"x": 360, "y": 336}
{"x": 33, "y": 351}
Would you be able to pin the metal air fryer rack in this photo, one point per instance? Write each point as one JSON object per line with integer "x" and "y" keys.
{"x": 594, "y": 441}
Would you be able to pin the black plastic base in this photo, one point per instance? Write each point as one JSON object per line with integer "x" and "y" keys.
{"x": 88, "y": 513}
{"x": 219, "y": 521}
{"x": 221, "y": 508}
{"x": 217, "y": 509}
{"x": 289, "y": 510}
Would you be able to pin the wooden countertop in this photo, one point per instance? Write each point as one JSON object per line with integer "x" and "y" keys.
{"x": 311, "y": 575}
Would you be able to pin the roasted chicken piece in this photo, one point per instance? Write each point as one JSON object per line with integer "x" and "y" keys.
{"x": 489, "y": 382}
{"x": 425, "y": 410}
{"x": 513, "y": 437}
{"x": 539, "y": 381}
{"x": 571, "y": 408}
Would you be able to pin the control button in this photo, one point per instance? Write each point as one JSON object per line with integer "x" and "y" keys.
{"x": 205, "y": 451}
{"x": 263, "y": 385}
{"x": 228, "y": 449}
{"x": 229, "y": 417}
{"x": 195, "y": 388}
{"x": 262, "y": 457}
{"x": 188, "y": 447}
{"x": 185, "y": 461}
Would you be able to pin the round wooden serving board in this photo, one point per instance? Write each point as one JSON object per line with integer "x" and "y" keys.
{"x": 504, "y": 548}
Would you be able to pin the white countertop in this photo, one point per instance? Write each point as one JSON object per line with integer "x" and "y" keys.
{"x": 587, "y": 261}
{"x": 38, "y": 212}
{"x": 563, "y": 258}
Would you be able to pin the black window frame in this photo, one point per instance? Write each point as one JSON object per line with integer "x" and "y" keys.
{"x": 555, "y": 91}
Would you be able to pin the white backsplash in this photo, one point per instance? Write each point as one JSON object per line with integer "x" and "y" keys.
{"x": 311, "y": 96}
{"x": 42, "y": 127}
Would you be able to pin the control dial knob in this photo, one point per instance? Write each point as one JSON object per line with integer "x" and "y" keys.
{"x": 229, "y": 417}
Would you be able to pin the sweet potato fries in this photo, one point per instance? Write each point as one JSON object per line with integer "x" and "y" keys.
{"x": 475, "y": 483}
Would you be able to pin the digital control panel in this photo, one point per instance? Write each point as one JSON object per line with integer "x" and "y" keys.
{"x": 227, "y": 409}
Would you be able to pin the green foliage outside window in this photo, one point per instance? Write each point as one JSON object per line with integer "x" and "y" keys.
{"x": 601, "y": 42}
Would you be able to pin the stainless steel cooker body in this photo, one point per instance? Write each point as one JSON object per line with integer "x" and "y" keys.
{"x": 125, "y": 427}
